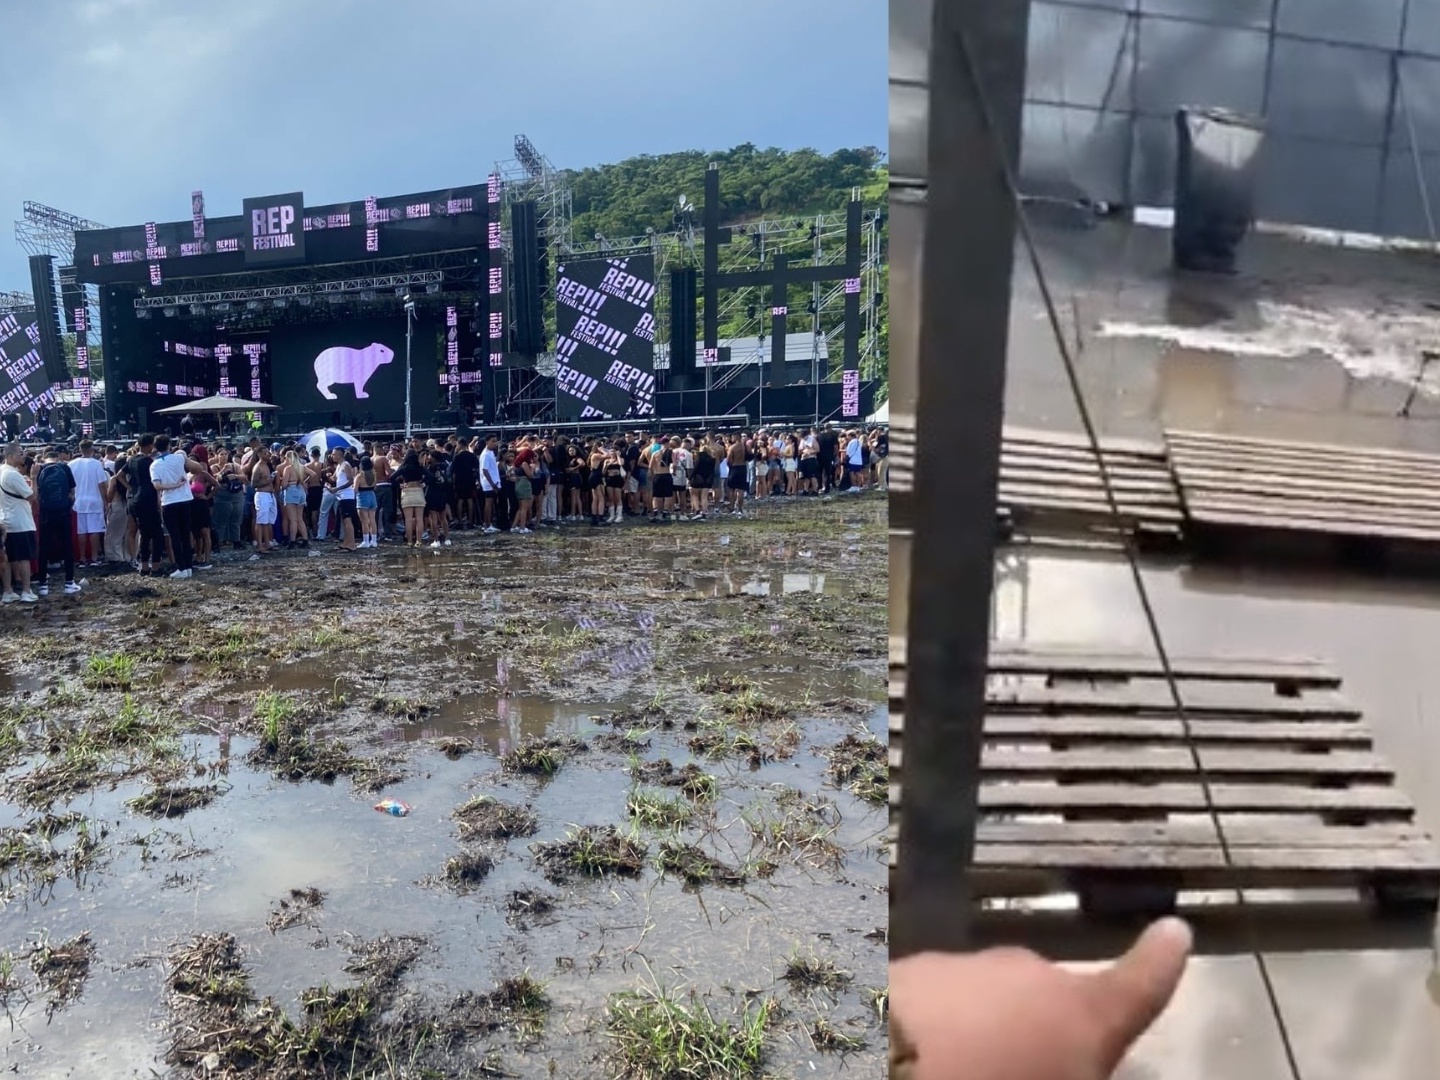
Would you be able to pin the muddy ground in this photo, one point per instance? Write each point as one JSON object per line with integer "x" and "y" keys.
{"x": 647, "y": 780}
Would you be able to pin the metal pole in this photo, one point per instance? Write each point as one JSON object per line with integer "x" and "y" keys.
{"x": 409, "y": 331}
{"x": 965, "y": 222}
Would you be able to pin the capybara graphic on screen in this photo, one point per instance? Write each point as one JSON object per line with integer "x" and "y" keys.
{"x": 353, "y": 367}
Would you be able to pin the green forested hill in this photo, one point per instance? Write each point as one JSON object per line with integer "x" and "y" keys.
{"x": 625, "y": 199}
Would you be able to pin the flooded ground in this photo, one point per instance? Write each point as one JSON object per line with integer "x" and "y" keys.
{"x": 647, "y": 779}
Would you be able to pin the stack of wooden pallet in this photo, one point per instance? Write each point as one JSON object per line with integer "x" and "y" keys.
{"x": 1095, "y": 786}
{"x": 1237, "y": 486}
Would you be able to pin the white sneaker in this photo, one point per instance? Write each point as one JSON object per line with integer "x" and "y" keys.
{"x": 489, "y": 529}
{"x": 179, "y": 575}
{"x": 71, "y": 588}
{"x": 435, "y": 545}
{"x": 10, "y": 598}
{"x": 447, "y": 543}
{"x": 42, "y": 590}
{"x": 28, "y": 597}
{"x": 522, "y": 532}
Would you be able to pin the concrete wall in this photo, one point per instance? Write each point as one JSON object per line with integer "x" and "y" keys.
{"x": 1341, "y": 85}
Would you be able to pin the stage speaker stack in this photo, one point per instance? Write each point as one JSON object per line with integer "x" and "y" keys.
{"x": 47, "y": 311}
{"x": 529, "y": 285}
{"x": 683, "y": 291}
{"x": 1217, "y": 159}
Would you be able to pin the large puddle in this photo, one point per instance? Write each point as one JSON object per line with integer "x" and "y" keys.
{"x": 438, "y": 666}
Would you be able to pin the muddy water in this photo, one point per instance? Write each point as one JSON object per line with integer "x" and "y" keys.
{"x": 1364, "y": 1014}
{"x": 493, "y": 650}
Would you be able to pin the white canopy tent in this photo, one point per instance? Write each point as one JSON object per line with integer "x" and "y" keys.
{"x": 217, "y": 404}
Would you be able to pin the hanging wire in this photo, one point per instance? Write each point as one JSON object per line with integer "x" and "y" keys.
{"x": 1127, "y": 541}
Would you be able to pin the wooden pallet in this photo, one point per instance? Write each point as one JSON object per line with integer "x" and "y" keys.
{"x": 1050, "y": 480}
{"x": 1090, "y": 786}
{"x": 1262, "y": 491}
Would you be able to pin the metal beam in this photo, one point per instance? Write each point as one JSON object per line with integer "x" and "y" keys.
{"x": 964, "y": 305}
{"x": 289, "y": 292}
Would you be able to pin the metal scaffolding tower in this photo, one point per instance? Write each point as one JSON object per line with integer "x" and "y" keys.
{"x": 530, "y": 176}
{"x": 15, "y": 301}
{"x": 43, "y": 230}
{"x": 46, "y": 231}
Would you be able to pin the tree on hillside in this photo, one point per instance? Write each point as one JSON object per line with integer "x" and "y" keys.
{"x": 640, "y": 193}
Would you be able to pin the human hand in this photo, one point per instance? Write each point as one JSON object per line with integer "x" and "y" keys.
{"x": 1008, "y": 1014}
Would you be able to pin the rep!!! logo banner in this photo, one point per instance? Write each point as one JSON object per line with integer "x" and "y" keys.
{"x": 275, "y": 230}
{"x": 605, "y": 343}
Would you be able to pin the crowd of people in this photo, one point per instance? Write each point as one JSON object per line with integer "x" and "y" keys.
{"x": 168, "y": 505}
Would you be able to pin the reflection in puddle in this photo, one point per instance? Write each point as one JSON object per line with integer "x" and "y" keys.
{"x": 501, "y": 721}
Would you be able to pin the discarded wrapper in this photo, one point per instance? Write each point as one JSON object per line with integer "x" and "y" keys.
{"x": 393, "y": 807}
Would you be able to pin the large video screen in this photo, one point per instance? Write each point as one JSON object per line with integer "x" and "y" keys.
{"x": 24, "y": 387}
{"x": 605, "y": 338}
{"x": 355, "y": 368}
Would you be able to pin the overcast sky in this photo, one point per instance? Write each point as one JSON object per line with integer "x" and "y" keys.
{"x": 117, "y": 109}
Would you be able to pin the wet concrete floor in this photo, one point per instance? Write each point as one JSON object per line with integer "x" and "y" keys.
{"x": 1310, "y": 343}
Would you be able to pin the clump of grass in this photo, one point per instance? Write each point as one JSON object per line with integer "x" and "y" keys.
{"x": 288, "y": 750}
{"x": 811, "y": 971}
{"x": 860, "y": 766}
{"x": 718, "y": 740}
{"x": 173, "y": 800}
{"x": 110, "y": 671}
{"x": 657, "y": 1035}
{"x": 541, "y": 756}
{"x": 407, "y": 709}
{"x": 63, "y": 969}
{"x": 467, "y": 869}
{"x": 750, "y": 706}
{"x": 487, "y": 818}
{"x": 695, "y": 866}
{"x": 653, "y": 810}
{"x": 592, "y": 851}
{"x": 878, "y": 998}
{"x": 219, "y": 1028}
{"x": 723, "y": 684}
{"x": 522, "y": 905}
{"x": 295, "y": 909}
{"x": 518, "y": 1003}
{"x": 796, "y": 827}
{"x": 690, "y": 779}
{"x": 830, "y": 1039}
{"x": 454, "y": 747}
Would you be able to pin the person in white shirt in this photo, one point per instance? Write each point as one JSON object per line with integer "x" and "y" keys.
{"x": 171, "y": 476}
{"x": 489, "y": 484}
{"x": 855, "y": 461}
{"x": 344, "y": 491}
{"x": 19, "y": 522}
{"x": 90, "y": 480}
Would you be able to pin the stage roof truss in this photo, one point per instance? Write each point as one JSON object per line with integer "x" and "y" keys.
{"x": 345, "y": 286}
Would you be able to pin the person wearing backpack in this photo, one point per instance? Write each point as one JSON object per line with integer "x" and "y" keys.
{"x": 55, "y": 494}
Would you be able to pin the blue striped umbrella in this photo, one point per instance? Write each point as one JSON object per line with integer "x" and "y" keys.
{"x": 327, "y": 439}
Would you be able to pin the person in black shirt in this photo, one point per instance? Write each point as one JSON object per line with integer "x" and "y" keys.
{"x": 829, "y": 444}
{"x": 437, "y": 500}
{"x": 411, "y": 478}
{"x": 143, "y": 504}
{"x": 880, "y": 448}
{"x": 465, "y": 476}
